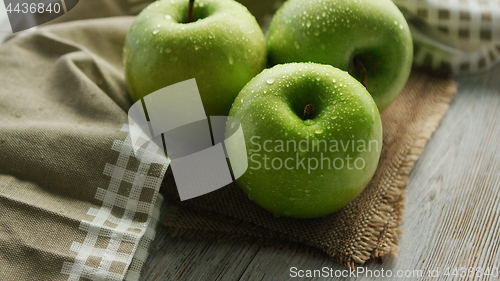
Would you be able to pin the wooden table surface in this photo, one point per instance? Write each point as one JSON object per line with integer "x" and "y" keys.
{"x": 452, "y": 211}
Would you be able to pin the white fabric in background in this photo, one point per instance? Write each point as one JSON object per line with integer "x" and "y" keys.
{"x": 461, "y": 36}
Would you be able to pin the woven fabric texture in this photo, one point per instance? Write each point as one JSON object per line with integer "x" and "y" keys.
{"x": 75, "y": 202}
{"x": 369, "y": 226}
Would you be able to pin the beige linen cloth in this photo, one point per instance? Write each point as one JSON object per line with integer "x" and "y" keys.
{"x": 75, "y": 203}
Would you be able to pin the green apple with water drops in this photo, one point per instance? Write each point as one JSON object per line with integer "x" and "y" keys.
{"x": 368, "y": 38}
{"x": 313, "y": 136}
{"x": 217, "y": 42}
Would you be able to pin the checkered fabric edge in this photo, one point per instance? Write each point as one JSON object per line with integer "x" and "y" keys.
{"x": 117, "y": 240}
{"x": 455, "y": 36}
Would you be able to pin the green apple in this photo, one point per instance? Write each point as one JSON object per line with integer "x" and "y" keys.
{"x": 313, "y": 136}
{"x": 223, "y": 47}
{"x": 368, "y": 38}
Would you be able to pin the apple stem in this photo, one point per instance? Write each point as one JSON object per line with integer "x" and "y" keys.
{"x": 361, "y": 68}
{"x": 307, "y": 111}
{"x": 190, "y": 17}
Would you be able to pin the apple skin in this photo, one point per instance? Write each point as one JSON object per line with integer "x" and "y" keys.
{"x": 335, "y": 31}
{"x": 222, "y": 49}
{"x": 270, "y": 108}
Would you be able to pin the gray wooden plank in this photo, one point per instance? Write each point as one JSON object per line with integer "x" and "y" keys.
{"x": 195, "y": 259}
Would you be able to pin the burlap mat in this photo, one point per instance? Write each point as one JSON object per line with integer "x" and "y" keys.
{"x": 365, "y": 229}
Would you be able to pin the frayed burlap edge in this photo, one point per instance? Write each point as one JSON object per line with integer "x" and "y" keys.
{"x": 261, "y": 237}
{"x": 384, "y": 227}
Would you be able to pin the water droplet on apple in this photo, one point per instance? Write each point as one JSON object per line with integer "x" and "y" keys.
{"x": 168, "y": 17}
{"x": 395, "y": 22}
{"x": 270, "y": 81}
{"x": 308, "y": 24}
{"x": 196, "y": 47}
{"x": 156, "y": 31}
{"x": 230, "y": 59}
{"x": 324, "y": 14}
{"x": 318, "y": 78}
{"x": 296, "y": 44}
{"x": 401, "y": 26}
{"x": 318, "y": 131}
{"x": 168, "y": 50}
{"x": 309, "y": 122}
{"x": 316, "y": 33}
